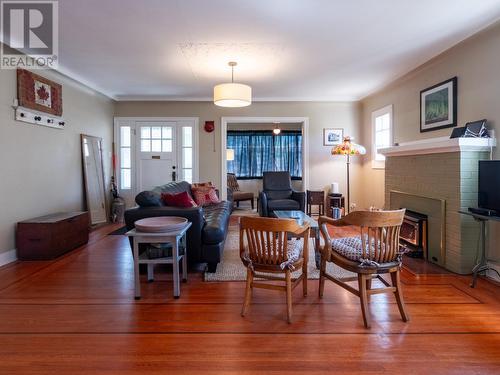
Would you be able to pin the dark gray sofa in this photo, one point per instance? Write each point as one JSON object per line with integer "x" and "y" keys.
{"x": 205, "y": 238}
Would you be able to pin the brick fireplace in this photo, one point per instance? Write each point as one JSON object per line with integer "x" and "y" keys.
{"x": 437, "y": 178}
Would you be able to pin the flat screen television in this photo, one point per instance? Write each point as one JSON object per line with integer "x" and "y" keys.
{"x": 489, "y": 185}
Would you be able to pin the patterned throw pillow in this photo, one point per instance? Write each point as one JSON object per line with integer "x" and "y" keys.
{"x": 205, "y": 196}
{"x": 202, "y": 184}
{"x": 178, "y": 200}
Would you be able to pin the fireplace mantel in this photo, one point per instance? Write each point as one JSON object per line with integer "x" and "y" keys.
{"x": 439, "y": 145}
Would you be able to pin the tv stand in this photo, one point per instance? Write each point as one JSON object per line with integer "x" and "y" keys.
{"x": 482, "y": 265}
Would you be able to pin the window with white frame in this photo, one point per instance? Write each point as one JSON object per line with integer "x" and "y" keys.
{"x": 381, "y": 134}
{"x": 187, "y": 153}
{"x": 125, "y": 158}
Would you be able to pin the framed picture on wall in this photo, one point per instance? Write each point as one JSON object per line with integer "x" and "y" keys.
{"x": 438, "y": 106}
{"x": 332, "y": 137}
{"x": 38, "y": 93}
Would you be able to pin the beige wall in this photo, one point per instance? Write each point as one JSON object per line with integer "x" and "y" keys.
{"x": 41, "y": 169}
{"x": 323, "y": 168}
{"x": 476, "y": 63}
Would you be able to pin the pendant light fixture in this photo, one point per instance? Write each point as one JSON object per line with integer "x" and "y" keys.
{"x": 232, "y": 94}
{"x": 276, "y": 129}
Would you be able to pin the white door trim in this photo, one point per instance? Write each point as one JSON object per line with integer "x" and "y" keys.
{"x": 118, "y": 120}
{"x": 263, "y": 120}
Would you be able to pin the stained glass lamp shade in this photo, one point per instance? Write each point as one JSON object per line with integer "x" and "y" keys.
{"x": 348, "y": 149}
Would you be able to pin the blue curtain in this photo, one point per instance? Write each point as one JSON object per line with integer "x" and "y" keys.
{"x": 261, "y": 151}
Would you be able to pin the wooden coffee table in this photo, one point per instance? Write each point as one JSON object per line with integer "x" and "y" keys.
{"x": 178, "y": 240}
{"x": 301, "y": 219}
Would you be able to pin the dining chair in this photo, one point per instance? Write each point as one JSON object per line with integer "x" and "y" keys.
{"x": 374, "y": 252}
{"x": 266, "y": 251}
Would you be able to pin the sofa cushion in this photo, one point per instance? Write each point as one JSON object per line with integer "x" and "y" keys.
{"x": 283, "y": 204}
{"x": 174, "y": 188}
{"x": 178, "y": 200}
{"x": 149, "y": 199}
{"x": 216, "y": 221}
{"x": 205, "y": 196}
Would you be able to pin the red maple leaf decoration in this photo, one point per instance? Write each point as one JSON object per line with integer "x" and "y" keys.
{"x": 42, "y": 93}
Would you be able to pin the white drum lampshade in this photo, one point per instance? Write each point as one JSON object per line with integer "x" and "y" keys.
{"x": 232, "y": 95}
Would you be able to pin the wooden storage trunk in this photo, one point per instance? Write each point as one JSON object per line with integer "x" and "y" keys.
{"x": 50, "y": 236}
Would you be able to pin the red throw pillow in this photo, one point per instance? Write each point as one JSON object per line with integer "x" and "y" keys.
{"x": 178, "y": 200}
{"x": 204, "y": 196}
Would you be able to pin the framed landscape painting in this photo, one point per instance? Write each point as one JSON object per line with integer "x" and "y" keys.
{"x": 438, "y": 106}
{"x": 332, "y": 137}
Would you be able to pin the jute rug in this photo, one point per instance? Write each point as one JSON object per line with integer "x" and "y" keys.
{"x": 232, "y": 269}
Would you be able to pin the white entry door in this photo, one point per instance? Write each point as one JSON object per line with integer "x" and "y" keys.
{"x": 157, "y": 154}
{"x": 154, "y": 151}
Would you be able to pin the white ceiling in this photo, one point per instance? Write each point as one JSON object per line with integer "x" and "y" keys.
{"x": 285, "y": 49}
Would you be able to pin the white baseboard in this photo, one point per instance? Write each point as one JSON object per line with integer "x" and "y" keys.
{"x": 8, "y": 257}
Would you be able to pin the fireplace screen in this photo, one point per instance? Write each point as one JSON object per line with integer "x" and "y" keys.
{"x": 413, "y": 234}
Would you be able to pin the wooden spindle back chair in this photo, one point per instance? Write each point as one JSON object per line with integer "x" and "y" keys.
{"x": 374, "y": 252}
{"x": 265, "y": 249}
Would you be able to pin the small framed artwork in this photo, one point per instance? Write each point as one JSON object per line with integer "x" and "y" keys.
{"x": 332, "y": 137}
{"x": 438, "y": 106}
{"x": 38, "y": 93}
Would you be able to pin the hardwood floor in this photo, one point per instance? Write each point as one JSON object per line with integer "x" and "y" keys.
{"x": 77, "y": 315}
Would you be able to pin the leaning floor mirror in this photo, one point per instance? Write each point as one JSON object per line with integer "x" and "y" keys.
{"x": 93, "y": 176}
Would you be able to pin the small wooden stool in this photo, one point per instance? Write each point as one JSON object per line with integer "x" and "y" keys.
{"x": 315, "y": 198}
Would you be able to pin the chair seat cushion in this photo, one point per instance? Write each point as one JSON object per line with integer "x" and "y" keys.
{"x": 348, "y": 247}
{"x": 294, "y": 254}
{"x": 241, "y": 195}
{"x": 283, "y": 204}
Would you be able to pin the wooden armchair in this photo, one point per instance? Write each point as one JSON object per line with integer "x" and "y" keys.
{"x": 266, "y": 250}
{"x": 374, "y": 252}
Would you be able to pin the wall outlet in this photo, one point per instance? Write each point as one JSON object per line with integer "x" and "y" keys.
{"x": 352, "y": 207}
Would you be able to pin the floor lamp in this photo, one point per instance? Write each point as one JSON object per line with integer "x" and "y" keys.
{"x": 348, "y": 148}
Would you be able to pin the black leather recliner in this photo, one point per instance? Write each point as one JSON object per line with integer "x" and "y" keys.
{"x": 278, "y": 194}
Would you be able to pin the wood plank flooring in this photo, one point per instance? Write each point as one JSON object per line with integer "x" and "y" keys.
{"x": 77, "y": 315}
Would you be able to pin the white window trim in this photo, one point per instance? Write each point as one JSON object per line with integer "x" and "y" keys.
{"x": 380, "y": 164}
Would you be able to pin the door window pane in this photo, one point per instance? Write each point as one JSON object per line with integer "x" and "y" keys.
{"x": 145, "y": 145}
{"x": 126, "y": 180}
{"x": 167, "y": 145}
{"x": 188, "y": 175}
{"x": 167, "y": 132}
{"x": 125, "y": 157}
{"x": 156, "y": 145}
{"x": 187, "y": 136}
{"x": 125, "y": 136}
{"x": 156, "y": 132}
{"x": 145, "y": 132}
{"x": 187, "y": 157}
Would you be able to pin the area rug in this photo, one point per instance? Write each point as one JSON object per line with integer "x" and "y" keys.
{"x": 232, "y": 269}
{"x": 119, "y": 231}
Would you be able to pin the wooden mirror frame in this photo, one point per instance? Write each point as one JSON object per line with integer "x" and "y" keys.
{"x": 83, "y": 137}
